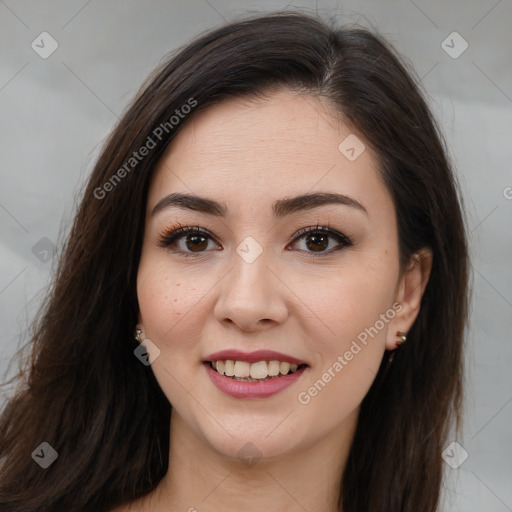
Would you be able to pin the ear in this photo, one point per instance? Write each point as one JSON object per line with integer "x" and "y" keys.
{"x": 409, "y": 292}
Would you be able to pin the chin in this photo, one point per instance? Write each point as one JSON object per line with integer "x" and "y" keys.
{"x": 251, "y": 436}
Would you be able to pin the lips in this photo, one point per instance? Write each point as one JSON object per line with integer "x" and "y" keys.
{"x": 258, "y": 374}
{"x": 253, "y": 389}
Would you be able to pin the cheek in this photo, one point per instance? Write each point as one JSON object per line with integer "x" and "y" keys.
{"x": 170, "y": 304}
{"x": 355, "y": 309}
{"x": 167, "y": 299}
{"x": 350, "y": 353}
{"x": 352, "y": 301}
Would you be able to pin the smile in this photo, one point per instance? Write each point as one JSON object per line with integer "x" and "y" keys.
{"x": 248, "y": 387}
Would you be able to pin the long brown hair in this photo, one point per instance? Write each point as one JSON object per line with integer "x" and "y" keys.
{"x": 84, "y": 392}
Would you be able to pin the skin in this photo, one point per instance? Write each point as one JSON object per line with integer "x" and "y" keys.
{"x": 248, "y": 154}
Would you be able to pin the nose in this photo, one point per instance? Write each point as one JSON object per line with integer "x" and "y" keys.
{"x": 252, "y": 296}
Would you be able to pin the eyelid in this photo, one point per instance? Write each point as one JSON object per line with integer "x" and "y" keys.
{"x": 323, "y": 229}
{"x": 169, "y": 235}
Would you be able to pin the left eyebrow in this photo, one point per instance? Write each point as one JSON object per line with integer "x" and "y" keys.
{"x": 280, "y": 209}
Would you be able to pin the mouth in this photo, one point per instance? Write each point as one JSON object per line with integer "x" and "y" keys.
{"x": 259, "y": 371}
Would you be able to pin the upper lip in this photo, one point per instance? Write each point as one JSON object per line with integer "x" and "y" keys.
{"x": 252, "y": 357}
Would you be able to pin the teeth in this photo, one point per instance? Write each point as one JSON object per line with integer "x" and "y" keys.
{"x": 242, "y": 369}
{"x": 253, "y": 371}
{"x": 229, "y": 368}
{"x": 259, "y": 370}
{"x": 284, "y": 368}
{"x": 273, "y": 368}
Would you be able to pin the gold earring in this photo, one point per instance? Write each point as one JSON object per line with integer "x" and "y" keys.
{"x": 402, "y": 340}
{"x": 137, "y": 334}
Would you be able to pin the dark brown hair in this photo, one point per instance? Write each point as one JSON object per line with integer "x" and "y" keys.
{"x": 83, "y": 391}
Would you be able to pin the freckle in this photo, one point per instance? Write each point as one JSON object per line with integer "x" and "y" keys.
{"x": 175, "y": 300}
{"x": 177, "y": 284}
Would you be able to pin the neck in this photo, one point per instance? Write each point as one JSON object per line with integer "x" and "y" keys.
{"x": 201, "y": 479}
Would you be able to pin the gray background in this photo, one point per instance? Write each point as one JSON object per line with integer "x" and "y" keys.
{"x": 56, "y": 113}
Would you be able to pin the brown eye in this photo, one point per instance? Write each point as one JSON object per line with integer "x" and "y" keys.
{"x": 196, "y": 242}
{"x": 317, "y": 239}
{"x": 188, "y": 240}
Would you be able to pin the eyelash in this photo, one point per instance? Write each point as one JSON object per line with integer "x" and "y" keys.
{"x": 169, "y": 237}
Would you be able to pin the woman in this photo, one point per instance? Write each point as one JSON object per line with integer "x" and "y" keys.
{"x": 263, "y": 297}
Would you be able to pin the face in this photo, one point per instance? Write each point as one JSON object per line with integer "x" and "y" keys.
{"x": 253, "y": 280}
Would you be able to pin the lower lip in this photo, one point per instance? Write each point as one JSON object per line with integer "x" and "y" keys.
{"x": 241, "y": 389}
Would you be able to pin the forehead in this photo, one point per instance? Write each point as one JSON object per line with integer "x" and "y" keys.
{"x": 245, "y": 151}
